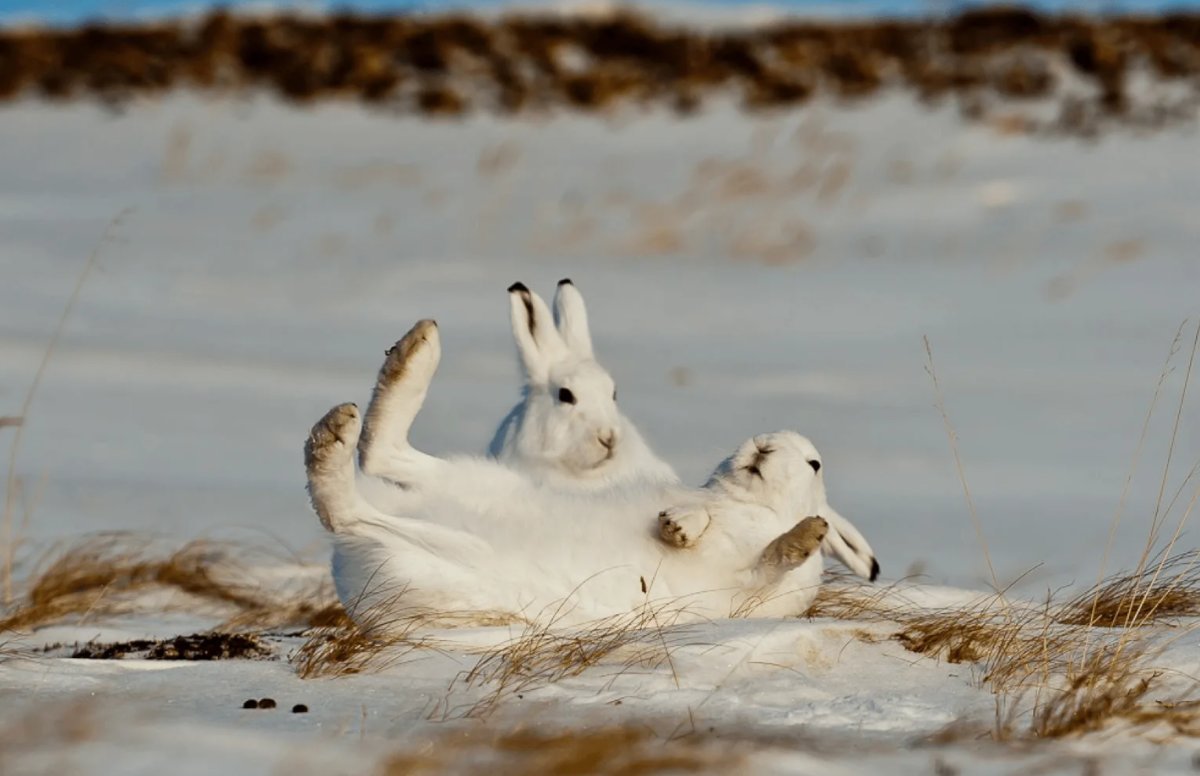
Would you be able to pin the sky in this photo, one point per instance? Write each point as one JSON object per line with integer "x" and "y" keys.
{"x": 71, "y": 11}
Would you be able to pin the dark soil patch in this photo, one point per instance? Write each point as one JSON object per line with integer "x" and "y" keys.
{"x": 199, "y": 646}
{"x": 988, "y": 60}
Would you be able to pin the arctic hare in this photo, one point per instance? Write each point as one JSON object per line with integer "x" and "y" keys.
{"x": 567, "y": 430}
{"x": 471, "y": 535}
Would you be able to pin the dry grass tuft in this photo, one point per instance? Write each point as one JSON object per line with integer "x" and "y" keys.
{"x": 1059, "y": 668}
{"x": 1056, "y": 669}
{"x": 119, "y": 573}
{"x": 375, "y": 637}
{"x": 350, "y": 648}
{"x": 1073, "y": 667}
{"x": 957, "y": 636}
{"x": 842, "y": 596}
{"x": 1069, "y": 668}
{"x": 544, "y": 653}
{"x": 1159, "y": 592}
{"x": 9, "y": 540}
{"x": 599, "y": 751}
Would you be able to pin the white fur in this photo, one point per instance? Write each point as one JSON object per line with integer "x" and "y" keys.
{"x": 559, "y": 443}
{"x": 467, "y": 534}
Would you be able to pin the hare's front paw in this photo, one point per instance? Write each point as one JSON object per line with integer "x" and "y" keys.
{"x": 797, "y": 545}
{"x": 682, "y": 526}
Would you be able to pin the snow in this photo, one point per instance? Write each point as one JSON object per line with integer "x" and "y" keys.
{"x": 273, "y": 254}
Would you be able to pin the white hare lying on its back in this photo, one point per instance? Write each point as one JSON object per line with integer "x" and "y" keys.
{"x": 466, "y": 534}
{"x": 567, "y": 432}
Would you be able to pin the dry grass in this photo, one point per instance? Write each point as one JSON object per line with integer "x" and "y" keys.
{"x": 626, "y": 750}
{"x": 372, "y": 641}
{"x": 1158, "y": 592}
{"x": 380, "y": 630}
{"x": 115, "y": 574}
{"x": 545, "y": 653}
{"x": 1059, "y": 668}
{"x": 843, "y": 596}
{"x": 1073, "y": 667}
{"x": 8, "y": 534}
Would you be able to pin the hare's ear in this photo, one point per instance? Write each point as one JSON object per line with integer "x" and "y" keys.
{"x": 570, "y": 315}
{"x": 849, "y": 545}
{"x": 538, "y": 342}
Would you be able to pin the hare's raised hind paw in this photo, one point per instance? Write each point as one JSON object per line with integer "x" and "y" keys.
{"x": 414, "y": 354}
{"x": 399, "y": 392}
{"x": 329, "y": 463}
{"x": 332, "y": 440}
{"x": 797, "y": 545}
{"x": 682, "y": 526}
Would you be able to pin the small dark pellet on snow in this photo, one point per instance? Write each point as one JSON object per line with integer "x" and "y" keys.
{"x": 299, "y": 708}
{"x": 266, "y": 703}
{"x": 250, "y": 704}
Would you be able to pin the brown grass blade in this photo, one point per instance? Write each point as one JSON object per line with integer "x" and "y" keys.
{"x": 545, "y": 653}
{"x": 602, "y": 751}
{"x": 112, "y": 574}
{"x": 7, "y": 537}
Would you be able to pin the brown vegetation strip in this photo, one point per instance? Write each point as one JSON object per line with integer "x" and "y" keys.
{"x": 1061, "y": 668}
{"x": 601, "y": 750}
{"x": 449, "y": 65}
{"x": 111, "y": 574}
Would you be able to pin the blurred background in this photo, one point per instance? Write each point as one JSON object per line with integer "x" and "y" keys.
{"x": 768, "y": 207}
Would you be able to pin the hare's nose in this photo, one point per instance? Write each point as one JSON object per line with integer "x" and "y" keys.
{"x": 609, "y": 440}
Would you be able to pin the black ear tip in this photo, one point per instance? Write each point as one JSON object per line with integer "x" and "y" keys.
{"x": 565, "y": 282}
{"x": 874, "y": 569}
{"x": 518, "y": 288}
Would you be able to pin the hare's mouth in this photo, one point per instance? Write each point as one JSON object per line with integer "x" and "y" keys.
{"x": 599, "y": 463}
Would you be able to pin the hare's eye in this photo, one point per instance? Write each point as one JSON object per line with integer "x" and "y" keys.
{"x": 614, "y": 394}
{"x": 565, "y": 396}
{"x": 816, "y": 465}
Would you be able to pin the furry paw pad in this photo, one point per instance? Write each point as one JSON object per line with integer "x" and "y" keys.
{"x": 333, "y": 437}
{"x": 682, "y": 526}
{"x": 406, "y": 350}
{"x": 798, "y": 544}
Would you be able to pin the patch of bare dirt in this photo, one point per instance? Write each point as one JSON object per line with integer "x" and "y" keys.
{"x": 199, "y": 646}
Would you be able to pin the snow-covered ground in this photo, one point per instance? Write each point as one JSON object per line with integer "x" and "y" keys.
{"x": 743, "y": 275}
